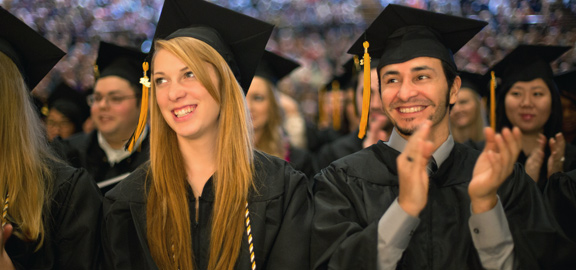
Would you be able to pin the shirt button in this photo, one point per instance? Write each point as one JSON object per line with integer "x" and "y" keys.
{"x": 476, "y": 231}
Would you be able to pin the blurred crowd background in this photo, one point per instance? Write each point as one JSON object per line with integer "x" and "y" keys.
{"x": 316, "y": 33}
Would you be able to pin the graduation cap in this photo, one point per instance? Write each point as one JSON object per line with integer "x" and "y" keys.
{"x": 527, "y": 62}
{"x": 566, "y": 81}
{"x": 34, "y": 55}
{"x": 402, "y": 33}
{"x": 476, "y": 82}
{"x": 274, "y": 67}
{"x": 238, "y": 38}
{"x": 70, "y": 103}
{"x": 124, "y": 62}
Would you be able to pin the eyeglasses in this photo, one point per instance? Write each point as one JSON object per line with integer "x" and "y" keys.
{"x": 110, "y": 99}
{"x": 59, "y": 124}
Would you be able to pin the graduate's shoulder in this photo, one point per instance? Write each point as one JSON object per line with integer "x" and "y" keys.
{"x": 133, "y": 188}
{"x": 273, "y": 177}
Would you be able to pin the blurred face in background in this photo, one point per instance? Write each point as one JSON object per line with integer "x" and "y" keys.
{"x": 58, "y": 125}
{"x": 465, "y": 110}
{"x": 114, "y": 107}
{"x": 528, "y": 105}
{"x": 259, "y": 99}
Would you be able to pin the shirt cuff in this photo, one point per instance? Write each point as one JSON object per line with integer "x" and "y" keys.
{"x": 396, "y": 227}
{"x": 490, "y": 229}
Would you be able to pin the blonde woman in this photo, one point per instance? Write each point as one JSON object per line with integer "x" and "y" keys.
{"x": 467, "y": 117}
{"x": 206, "y": 200}
{"x": 268, "y": 116}
{"x": 50, "y": 211}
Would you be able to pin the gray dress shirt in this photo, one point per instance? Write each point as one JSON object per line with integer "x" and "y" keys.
{"x": 490, "y": 231}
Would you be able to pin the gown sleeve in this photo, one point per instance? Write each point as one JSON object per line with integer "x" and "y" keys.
{"x": 560, "y": 195}
{"x": 291, "y": 248}
{"x": 341, "y": 239}
{"x": 76, "y": 209}
{"x": 538, "y": 241}
{"x": 123, "y": 226}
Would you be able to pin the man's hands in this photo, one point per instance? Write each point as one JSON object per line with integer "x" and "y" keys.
{"x": 493, "y": 166}
{"x": 412, "y": 174}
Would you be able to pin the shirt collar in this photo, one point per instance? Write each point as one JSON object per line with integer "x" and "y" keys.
{"x": 398, "y": 143}
{"x": 116, "y": 155}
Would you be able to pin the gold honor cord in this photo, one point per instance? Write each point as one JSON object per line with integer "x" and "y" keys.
{"x": 249, "y": 235}
{"x": 5, "y": 210}
{"x": 492, "y": 101}
{"x": 145, "y": 81}
{"x": 366, "y": 94}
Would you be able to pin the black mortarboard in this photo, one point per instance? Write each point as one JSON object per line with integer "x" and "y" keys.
{"x": 274, "y": 67}
{"x": 528, "y": 62}
{"x": 566, "y": 81}
{"x": 70, "y": 103}
{"x": 476, "y": 82}
{"x": 240, "y": 39}
{"x": 124, "y": 62}
{"x": 34, "y": 55}
{"x": 402, "y": 33}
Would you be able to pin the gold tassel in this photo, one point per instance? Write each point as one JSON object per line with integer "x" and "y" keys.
{"x": 366, "y": 94}
{"x": 492, "y": 101}
{"x": 145, "y": 81}
{"x": 5, "y": 210}
{"x": 96, "y": 72}
{"x": 336, "y": 105}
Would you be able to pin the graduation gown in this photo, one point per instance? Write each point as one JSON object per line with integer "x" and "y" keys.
{"x": 569, "y": 163}
{"x": 72, "y": 226}
{"x": 353, "y": 193}
{"x": 301, "y": 160}
{"x": 339, "y": 148}
{"x": 280, "y": 217}
{"x": 560, "y": 194}
{"x": 83, "y": 151}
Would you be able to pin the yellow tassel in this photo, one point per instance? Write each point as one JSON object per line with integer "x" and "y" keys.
{"x": 145, "y": 81}
{"x": 336, "y": 105}
{"x": 96, "y": 72}
{"x": 5, "y": 210}
{"x": 492, "y": 101}
{"x": 366, "y": 94}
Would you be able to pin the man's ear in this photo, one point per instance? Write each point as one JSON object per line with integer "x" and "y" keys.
{"x": 454, "y": 89}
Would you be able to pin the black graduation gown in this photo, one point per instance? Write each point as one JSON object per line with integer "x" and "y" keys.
{"x": 339, "y": 148}
{"x": 560, "y": 194}
{"x": 353, "y": 193}
{"x": 315, "y": 138}
{"x": 302, "y": 161}
{"x": 569, "y": 163}
{"x": 72, "y": 224}
{"x": 280, "y": 218}
{"x": 83, "y": 151}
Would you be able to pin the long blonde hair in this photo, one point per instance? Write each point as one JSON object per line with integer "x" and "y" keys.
{"x": 271, "y": 141}
{"x": 167, "y": 210}
{"x": 24, "y": 173}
